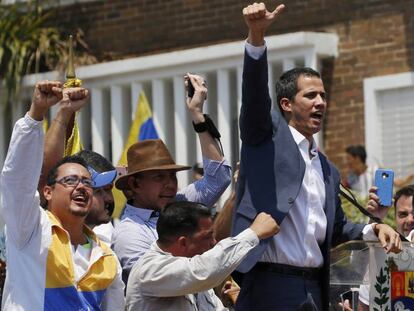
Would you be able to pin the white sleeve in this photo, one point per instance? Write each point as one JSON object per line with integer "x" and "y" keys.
{"x": 177, "y": 276}
{"x": 364, "y": 294}
{"x": 19, "y": 180}
{"x": 368, "y": 233}
{"x": 255, "y": 52}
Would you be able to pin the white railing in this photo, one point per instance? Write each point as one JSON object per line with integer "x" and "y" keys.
{"x": 115, "y": 87}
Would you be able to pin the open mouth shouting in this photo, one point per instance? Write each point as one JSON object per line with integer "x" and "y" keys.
{"x": 81, "y": 198}
{"x": 317, "y": 116}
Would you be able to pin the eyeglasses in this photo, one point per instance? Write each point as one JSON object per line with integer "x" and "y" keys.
{"x": 74, "y": 180}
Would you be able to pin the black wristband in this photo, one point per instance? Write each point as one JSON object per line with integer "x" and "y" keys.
{"x": 200, "y": 127}
{"x": 207, "y": 125}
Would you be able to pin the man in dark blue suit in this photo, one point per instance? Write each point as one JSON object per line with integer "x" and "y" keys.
{"x": 283, "y": 173}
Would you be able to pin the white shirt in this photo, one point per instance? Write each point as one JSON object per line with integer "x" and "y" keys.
{"x": 29, "y": 232}
{"x": 304, "y": 227}
{"x": 161, "y": 281}
{"x": 104, "y": 232}
{"x": 81, "y": 256}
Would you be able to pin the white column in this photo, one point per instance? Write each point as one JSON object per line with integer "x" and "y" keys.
{"x": 181, "y": 120}
{"x": 98, "y": 126}
{"x": 224, "y": 111}
{"x": 224, "y": 119}
{"x": 84, "y": 123}
{"x": 136, "y": 89}
{"x": 311, "y": 60}
{"x": 288, "y": 64}
{"x": 158, "y": 97}
{"x": 120, "y": 121}
{"x": 17, "y": 111}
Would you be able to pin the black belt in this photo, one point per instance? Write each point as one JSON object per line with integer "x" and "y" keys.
{"x": 313, "y": 274}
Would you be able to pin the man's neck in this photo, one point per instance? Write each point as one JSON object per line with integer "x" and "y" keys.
{"x": 138, "y": 203}
{"x": 73, "y": 224}
{"x": 76, "y": 233}
{"x": 173, "y": 249}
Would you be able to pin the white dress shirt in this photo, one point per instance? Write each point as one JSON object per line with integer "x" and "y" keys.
{"x": 304, "y": 227}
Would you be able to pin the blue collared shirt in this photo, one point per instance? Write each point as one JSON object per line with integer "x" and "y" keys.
{"x": 136, "y": 231}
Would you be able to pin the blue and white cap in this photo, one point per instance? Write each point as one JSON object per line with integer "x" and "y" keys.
{"x": 102, "y": 179}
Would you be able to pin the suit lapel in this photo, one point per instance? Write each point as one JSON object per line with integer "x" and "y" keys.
{"x": 327, "y": 178}
{"x": 330, "y": 193}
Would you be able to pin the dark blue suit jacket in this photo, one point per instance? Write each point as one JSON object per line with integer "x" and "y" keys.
{"x": 272, "y": 169}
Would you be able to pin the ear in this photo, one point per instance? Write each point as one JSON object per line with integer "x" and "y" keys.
{"x": 182, "y": 242}
{"x": 286, "y": 104}
{"x": 47, "y": 192}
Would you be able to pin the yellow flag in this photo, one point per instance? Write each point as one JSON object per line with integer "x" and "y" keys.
{"x": 142, "y": 128}
{"x": 73, "y": 144}
{"x": 45, "y": 125}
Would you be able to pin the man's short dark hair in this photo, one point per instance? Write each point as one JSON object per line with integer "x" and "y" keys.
{"x": 357, "y": 151}
{"x": 407, "y": 191}
{"x": 96, "y": 161}
{"x": 180, "y": 219}
{"x": 287, "y": 85}
{"x": 51, "y": 177}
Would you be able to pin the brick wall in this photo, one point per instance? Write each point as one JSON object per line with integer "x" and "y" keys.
{"x": 375, "y": 39}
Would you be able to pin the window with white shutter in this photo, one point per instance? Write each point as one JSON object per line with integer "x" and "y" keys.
{"x": 389, "y": 121}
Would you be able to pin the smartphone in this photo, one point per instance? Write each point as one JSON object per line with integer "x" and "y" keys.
{"x": 384, "y": 181}
{"x": 190, "y": 88}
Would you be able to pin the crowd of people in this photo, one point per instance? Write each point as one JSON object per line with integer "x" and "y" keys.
{"x": 276, "y": 229}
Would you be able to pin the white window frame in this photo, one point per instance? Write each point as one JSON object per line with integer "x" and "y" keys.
{"x": 372, "y": 122}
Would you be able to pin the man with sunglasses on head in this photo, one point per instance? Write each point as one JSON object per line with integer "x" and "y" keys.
{"x": 54, "y": 260}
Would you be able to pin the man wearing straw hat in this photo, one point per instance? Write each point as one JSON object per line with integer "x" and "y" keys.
{"x": 152, "y": 181}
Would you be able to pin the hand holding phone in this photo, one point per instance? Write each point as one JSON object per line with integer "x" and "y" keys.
{"x": 384, "y": 181}
{"x": 190, "y": 88}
